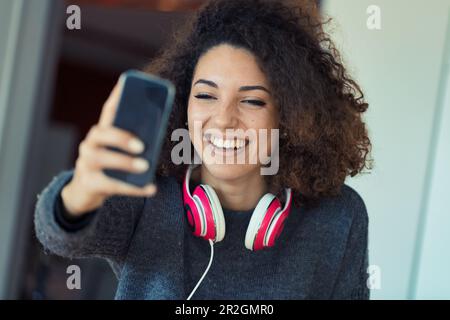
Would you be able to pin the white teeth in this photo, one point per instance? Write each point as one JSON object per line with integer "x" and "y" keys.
{"x": 227, "y": 144}
{"x": 218, "y": 143}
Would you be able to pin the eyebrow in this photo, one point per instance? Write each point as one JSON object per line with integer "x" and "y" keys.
{"x": 243, "y": 88}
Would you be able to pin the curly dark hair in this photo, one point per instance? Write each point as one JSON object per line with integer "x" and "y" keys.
{"x": 320, "y": 106}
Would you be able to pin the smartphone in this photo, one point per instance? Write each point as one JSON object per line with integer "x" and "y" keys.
{"x": 145, "y": 104}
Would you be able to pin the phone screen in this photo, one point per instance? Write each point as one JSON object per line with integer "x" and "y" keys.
{"x": 144, "y": 108}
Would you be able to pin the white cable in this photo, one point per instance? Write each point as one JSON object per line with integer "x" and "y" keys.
{"x": 206, "y": 271}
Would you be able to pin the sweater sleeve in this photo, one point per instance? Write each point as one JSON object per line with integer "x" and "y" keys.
{"x": 68, "y": 222}
{"x": 352, "y": 278}
{"x": 106, "y": 233}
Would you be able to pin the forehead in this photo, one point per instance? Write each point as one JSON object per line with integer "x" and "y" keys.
{"x": 225, "y": 63}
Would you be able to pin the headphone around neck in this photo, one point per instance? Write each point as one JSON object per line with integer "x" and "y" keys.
{"x": 205, "y": 216}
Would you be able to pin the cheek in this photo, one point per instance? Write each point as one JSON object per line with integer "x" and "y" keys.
{"x": 260, "y": 121}
{"x": 197, "y": 116}
{"x": 265, "y": 126}
{"x": 196, "y": 113}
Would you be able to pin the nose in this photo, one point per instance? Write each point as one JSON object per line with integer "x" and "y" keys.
{"x": 226, "y": 116}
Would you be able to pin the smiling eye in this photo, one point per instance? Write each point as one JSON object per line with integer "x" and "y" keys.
{"x": 204, "y": 96}
{"x": 255, "y": 102}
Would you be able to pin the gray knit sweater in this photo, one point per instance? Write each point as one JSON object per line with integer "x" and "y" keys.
{"x": 321, "y": 253}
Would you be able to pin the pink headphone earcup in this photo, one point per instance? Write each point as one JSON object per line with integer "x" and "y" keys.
{"x": 206, "y": 215}
{"x": 259, "y": 216}
{"x": 267, "y": 221}
{"x": 193, "y": 216}
{"x": 192, "y": 210}
{"x": 219, "y": 219}
{"x": 276, "y": 228}
{"x": 274, "y": 207}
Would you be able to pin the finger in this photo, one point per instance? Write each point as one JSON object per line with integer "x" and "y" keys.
{"x": 106, "y": 159}
{"x": 105, "y": 185}
{"x": 114, "y": 137}
{"x": 118, "y": 187}
{"x": 110, "y": 106}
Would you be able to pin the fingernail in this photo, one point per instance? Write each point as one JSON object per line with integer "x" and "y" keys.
{"x": 140, "y": 164}
{"x": 151, "y": 189}
{"x": 136, "y": 145}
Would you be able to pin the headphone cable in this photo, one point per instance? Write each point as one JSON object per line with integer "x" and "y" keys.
{"x": 211, "y": 243}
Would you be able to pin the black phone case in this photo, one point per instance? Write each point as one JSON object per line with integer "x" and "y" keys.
{"x": 144, "y": 108}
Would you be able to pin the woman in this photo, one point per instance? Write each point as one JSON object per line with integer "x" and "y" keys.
{"x": 238, "y": 65}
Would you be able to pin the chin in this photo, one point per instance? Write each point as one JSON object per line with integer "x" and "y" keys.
{"x": 229, "y": 171}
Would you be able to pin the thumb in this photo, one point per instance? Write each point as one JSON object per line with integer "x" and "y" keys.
{"x": 110, "y": 107}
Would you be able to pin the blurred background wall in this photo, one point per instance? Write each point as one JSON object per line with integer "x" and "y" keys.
{"x": 403, "y": 69}
{"x": 53, "y": 82}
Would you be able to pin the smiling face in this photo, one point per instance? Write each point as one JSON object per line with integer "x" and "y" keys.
{"x": 230, "y": 102}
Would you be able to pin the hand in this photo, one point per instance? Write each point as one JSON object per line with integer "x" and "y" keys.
{"x": 89, "y": 186}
